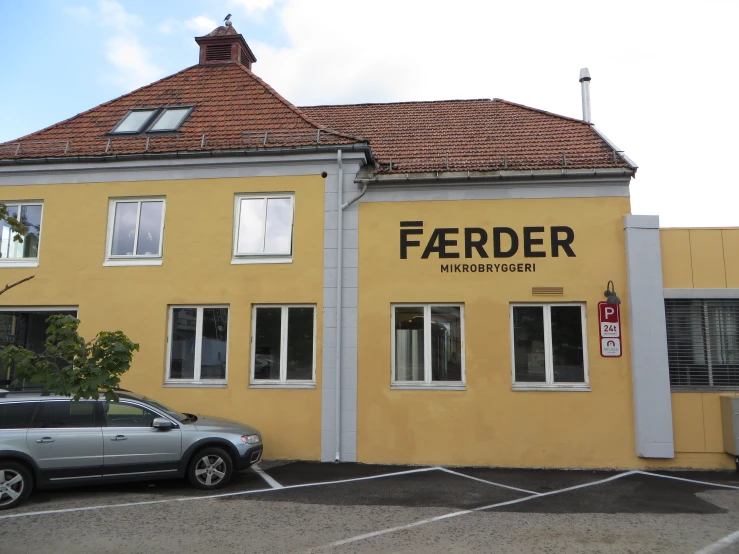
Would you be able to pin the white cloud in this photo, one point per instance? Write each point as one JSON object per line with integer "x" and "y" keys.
{"x": 168, "y": 26}
{"x": 253, "y": 5}
{"x": 200, "y": 24}
{"x": 133, "y": 68}
{"x": 113, "y": 14}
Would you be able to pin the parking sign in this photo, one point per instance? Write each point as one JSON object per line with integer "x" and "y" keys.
{"x": 609, "y": 321}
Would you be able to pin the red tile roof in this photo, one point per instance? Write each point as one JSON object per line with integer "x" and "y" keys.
{"x": 469, "y": 135}
{"x": 233, "y": 110}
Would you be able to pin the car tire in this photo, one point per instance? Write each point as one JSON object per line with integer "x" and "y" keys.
{"x": 16, "y": 482}
{"x": 210, "y": 468}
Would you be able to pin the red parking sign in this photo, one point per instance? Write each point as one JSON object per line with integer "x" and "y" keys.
{"x": 609, "y": 321}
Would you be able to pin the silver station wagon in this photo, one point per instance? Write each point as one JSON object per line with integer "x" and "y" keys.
{"x": 48, "y": 441}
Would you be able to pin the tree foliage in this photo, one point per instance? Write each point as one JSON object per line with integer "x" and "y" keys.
{"x": 17, "y": 228}
{"x": 69, "y": 365}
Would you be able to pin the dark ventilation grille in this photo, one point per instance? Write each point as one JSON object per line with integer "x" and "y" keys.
{"x": 244, "y": 59}
{"x": 703, "y": 343}
{"x": 218, "y": 52}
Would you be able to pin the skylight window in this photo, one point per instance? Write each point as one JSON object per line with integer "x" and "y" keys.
{"x": 170, "y": 119}
{"x": 147, "y": 120}
{"x": 134, "y": 122}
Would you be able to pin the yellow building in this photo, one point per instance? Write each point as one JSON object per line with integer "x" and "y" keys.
{"x": 410, "y": 283}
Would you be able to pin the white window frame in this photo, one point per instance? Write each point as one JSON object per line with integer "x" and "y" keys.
{"x": 427, "y": 383}
{"x": 134, "y": 259}
{"x": 283, "y": 381}
{"x": 24, "y": 262}
{"x": 549, "y": 384}
{"x": 196, "y": 380}
{"x": 261, "y": 257}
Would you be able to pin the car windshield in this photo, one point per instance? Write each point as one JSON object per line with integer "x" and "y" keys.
{"x": 169, "y": 411}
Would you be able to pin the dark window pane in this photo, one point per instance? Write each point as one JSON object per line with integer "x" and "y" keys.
{"x": 31, "y": 218}
{"x": 182, "y": 359}
{"x": 124, "y": 228}
{"x": 16, "y": 415}
{"x": 528, "y": 344}
{"x": 567, "y": 352}
{"x": 127, "y": 415}
{"x": 65, "y": 414}
{"x": 409, "y": 349}
{"x": 267, "y": 343}
{"x": 213, "y": 354}
{"x": 446, "y": 343}
{"x": 300, "y": 344}
{"x": 150, "y": 229}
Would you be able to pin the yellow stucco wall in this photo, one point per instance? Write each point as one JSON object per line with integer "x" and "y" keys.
{"x": 488, "y": 423}
{"x": 700, "y": 258}
{"x": 196, "y": 269}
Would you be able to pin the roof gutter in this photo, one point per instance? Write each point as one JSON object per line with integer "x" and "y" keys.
{"x": 481, "y": 177}
{"x": 281, "y": 151}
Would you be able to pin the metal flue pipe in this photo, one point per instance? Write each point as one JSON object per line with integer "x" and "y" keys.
{"x": 585, "y": 86}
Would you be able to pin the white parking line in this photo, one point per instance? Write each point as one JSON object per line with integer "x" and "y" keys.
{"x": 687, "y": 480}
{"x": 269, "y": 480}
{"x": 460, "y": 513}
{"x": 719, "y": 545}
{"x": 488, "y": 482}
{"x": 212, "y": 496}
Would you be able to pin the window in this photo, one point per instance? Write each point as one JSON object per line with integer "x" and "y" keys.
{"x": 135, "y": 231}
{"x": 263, "y": 228}
{"x": 549, "y": 346}
{"x": 121, "y": 414}
{"x": 25, "y": 328}
{"x": 283, "y": 345}
{"x": 16, "y": 415}
{"x": 11, "y": 251}
{"x": 198, "y": 344}
{"x": 428, "y": 345}
{"x": 59, "y": 414}
{"x": 140, "y": 120}
{"x": 703, "y": 343}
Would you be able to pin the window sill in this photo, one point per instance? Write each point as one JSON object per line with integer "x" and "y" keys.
{"x": 132, "y": 261}
{"x": 551, "y": 388}
{"x": 18, "y": 263}
{"x": 424, "y": 386}
{"x": 261, "y": 260}
{"x": 194, "y": 385}
{"x": 705, "y": 388}
{"x": 282, "y": 386}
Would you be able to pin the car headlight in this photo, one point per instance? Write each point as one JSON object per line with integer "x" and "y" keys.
{"x": 251, "y": 439}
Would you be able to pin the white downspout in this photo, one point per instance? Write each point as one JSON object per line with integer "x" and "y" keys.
{"x": 339, "y": 268}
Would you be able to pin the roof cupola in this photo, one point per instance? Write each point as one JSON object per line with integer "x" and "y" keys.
{"x": 225, "y": 45}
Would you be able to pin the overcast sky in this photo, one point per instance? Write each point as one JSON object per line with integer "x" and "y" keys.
{"x": 665, "y": 74}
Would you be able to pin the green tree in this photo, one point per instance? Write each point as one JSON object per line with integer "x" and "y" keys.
{"x": 70, "y": 366}
{"x": 19, "y": 230}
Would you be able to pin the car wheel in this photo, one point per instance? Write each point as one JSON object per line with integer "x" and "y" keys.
{"x": 16, "y": 483}
{"x": 210, "y": 468}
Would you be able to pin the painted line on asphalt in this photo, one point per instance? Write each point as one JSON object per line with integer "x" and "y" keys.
{"x": 720, "y": 544}
{"x": 488, "y": 482}
{"x": 687, "y": 480}
{"x": 450, "y": 515}
{"x": 269, "y": 480}
{"x": 213, "y": 496}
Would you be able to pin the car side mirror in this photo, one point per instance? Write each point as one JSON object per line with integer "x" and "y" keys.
{"x": 161, "y": 423}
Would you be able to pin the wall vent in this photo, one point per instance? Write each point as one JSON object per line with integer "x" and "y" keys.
{"x": 547, "y": 291}
{"x": 217, "y": 52}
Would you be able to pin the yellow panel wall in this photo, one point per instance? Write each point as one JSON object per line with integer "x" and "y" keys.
{"x": 677, "y": 272}
{"x": 707, "y": 259}
{"x": 730, "y": 239}
{"x": 196, "y": 269}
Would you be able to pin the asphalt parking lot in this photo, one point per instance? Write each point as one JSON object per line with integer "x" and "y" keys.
{"x": 309, "y": 507}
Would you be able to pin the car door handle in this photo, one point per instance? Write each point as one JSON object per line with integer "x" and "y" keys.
{"x": 45, "y": 439}
{"x": 119, "y": 438}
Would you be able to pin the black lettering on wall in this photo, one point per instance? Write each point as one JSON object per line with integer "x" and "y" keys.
{"x": 498, "y": 252}
{"x": 470, "y": 243}
{"x": 405, "y": 233}
{"x": 445, "y": 268}
{"x": 529, "y": 241}
{"x": 563, "y": 243}
{"x": 438, "y": 243}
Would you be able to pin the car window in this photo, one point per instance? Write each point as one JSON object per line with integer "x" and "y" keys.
{"x": 16, "y": 415}
{"x": 122, "y": 414}
{"x": 65, "y": 414}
